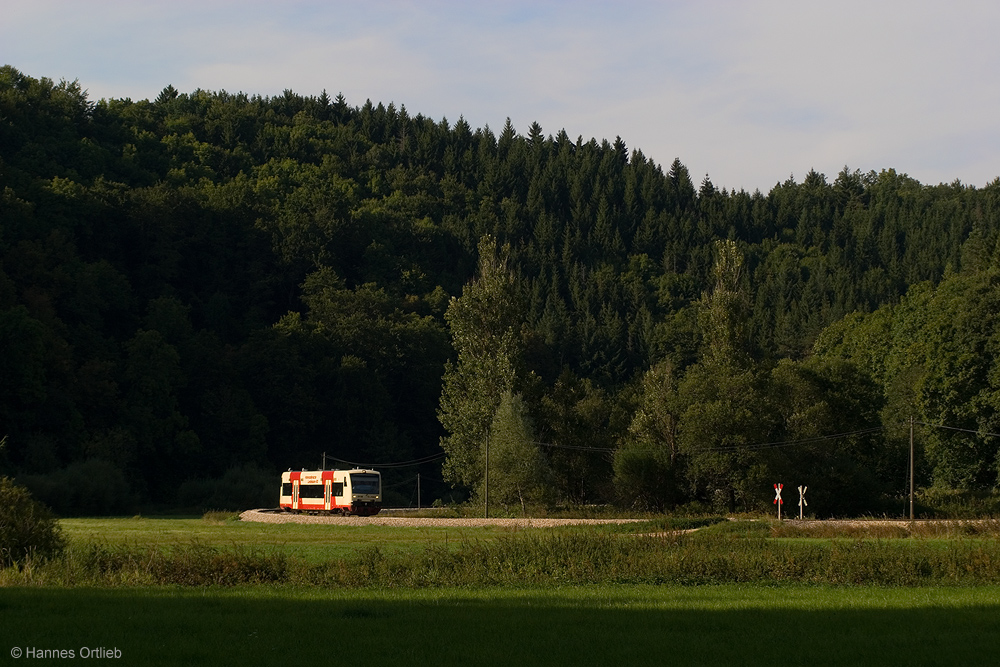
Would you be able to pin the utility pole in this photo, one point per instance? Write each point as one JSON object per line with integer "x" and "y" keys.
{"x": 324, "y": 461}
{"x": 911, "y": 467}
{"x": 486, "y": 508}
{"x": 418, "y": 490}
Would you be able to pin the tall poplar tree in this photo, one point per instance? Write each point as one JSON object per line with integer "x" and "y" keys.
{"x": 485, "y": 324}
{"x": 725, "y": 394}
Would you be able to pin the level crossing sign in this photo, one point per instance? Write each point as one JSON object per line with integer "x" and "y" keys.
{"x": 777, "y": 498}
{"x": 802, "y": 499}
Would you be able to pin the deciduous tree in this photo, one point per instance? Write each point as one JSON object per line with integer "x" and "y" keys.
{"x": 485, "y": 325}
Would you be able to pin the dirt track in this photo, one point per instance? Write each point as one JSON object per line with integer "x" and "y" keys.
{"x": 263, "y": 516}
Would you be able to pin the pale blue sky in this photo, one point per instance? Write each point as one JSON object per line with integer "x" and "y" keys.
{"x": 747, "y": 92}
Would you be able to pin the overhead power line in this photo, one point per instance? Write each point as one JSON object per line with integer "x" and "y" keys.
{"x": 394, "y": 464}
{"x": 964, "y": 430}
{"x": 408, "y": 480}
{"x": 723, "y": 449}
{"x": 582, "y": 448}
{"x": 790, "y": 443}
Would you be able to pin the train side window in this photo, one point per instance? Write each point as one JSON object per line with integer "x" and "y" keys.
{"x": 286, "y": 489}
{"x": 310, "y": 490}
{"x": 338, "y": 488}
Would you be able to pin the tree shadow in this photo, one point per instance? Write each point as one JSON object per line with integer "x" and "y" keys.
{"x": 565, "y": 627}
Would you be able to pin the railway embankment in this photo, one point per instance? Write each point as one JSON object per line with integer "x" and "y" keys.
{"x": 272, "y": 516}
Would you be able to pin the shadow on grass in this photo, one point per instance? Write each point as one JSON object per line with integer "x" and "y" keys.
{"x": 577, "y": 626}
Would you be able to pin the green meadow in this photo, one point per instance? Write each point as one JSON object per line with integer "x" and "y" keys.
{"x": 311, "y": 542}
{"x": 172, "y": 591}
{"x": 589, "y": 625}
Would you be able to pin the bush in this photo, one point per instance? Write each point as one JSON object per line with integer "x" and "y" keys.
{"x": 241, "y": 488}
{"x": 27, "y": 528}
{"x": 86, "y": 488}
{"x": 940, "y": 503}
{"x": 181, "y": 565}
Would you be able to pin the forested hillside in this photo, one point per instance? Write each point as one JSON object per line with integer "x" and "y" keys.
{"x": 211, "y": 282}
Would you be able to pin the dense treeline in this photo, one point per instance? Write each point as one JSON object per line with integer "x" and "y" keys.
{"x": 213, "y": 282}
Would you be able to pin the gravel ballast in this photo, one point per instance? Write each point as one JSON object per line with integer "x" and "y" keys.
{"x": 270, "y": 516}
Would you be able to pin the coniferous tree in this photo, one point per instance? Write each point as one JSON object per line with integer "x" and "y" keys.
{"x": 517, "y": 468}
{"x": 161, "y": 268}
{"x": 649, "y": 466}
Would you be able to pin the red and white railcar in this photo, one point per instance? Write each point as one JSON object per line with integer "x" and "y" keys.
{"x": 357, "y": 491}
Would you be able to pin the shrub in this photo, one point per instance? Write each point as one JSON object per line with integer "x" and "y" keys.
{"x": 240, "y": 488}
{"x": 85, "y": 488}
{"x": 940, "y": 503}
{"x": 27, "y": 528}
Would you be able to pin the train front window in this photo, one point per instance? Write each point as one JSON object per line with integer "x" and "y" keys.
{"x": 365, "y": 483}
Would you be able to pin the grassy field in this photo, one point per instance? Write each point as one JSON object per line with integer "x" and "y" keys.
{"x": 491, "y": 596}
{"x": 195, "y": 552}
{"x": 590, "y": 625}
{"x": 312, "y": 542}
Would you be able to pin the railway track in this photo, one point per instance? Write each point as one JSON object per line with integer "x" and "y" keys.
{"x": 276, "y": 516}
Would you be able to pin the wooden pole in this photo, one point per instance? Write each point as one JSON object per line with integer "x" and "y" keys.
{"x": 911, "y": 468}
{"x": 486, "y": 499}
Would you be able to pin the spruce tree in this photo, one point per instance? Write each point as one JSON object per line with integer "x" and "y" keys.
{"x": 517, "y": 469}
